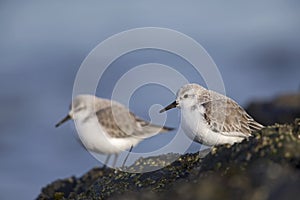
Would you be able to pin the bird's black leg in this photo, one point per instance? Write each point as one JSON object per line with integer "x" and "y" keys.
{"x": 106, "y": 161}
{"x": 115, "y": 160}
{"x": 124, "y": 162}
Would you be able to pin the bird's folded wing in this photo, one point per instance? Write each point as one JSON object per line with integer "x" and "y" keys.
{"x": 227, "y": 117}
{"x": 117, "y": 121}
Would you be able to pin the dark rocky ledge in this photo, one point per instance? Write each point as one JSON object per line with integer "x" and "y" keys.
{"x": 267, "y": 166}
{"x": 283, "y": 108}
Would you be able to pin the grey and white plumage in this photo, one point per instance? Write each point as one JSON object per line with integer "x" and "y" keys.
{"x": 211, "y": 118}
{"x": 106, "y": 126}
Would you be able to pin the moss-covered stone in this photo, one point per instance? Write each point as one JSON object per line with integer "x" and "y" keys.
{"x": 264, "y": 167}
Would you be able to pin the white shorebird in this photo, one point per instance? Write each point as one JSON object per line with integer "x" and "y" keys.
{"x": 211, "y": 118}
{"x": 107, "y": 127}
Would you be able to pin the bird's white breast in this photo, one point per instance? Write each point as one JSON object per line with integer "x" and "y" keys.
{"x": 193, "y": 123}
{"x": 97, "y": 140}
{"x": 196, "y": 128}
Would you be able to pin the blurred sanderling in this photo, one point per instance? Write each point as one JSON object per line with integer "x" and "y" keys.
{"x": 107, "y": 127}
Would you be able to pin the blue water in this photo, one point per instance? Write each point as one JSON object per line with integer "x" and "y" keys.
{"x": 42, "y": 44}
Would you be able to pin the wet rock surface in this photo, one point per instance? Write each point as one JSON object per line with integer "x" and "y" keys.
{"x": 267, "y": 166}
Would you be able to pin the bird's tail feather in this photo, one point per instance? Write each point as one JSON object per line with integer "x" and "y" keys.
{"x": 255, "y": 125}
{"x": 149, "y": 130}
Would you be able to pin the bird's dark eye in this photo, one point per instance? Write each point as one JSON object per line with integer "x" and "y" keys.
{"x": 185, "y": 96}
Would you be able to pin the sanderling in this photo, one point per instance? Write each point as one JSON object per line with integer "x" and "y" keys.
{"x": 211, "y": 118}
{"x": 107, "y": 127}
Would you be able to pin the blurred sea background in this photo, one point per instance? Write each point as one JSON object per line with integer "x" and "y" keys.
{"x": 255, "y": 44}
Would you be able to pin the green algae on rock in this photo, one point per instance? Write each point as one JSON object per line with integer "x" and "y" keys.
{"x": 266, "y": 166}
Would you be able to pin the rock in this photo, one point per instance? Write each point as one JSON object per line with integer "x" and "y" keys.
{"x": 267, "y": 166}
{"x": 282, "y": 109}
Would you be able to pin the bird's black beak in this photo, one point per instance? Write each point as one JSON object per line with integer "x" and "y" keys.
{"x": 172, "y": 105}
{"x": 63, "y": 120}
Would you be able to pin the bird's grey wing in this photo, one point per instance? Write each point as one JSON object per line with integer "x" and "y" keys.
{"x": 228, "y": 118}
{"x": 117, "y": 121}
